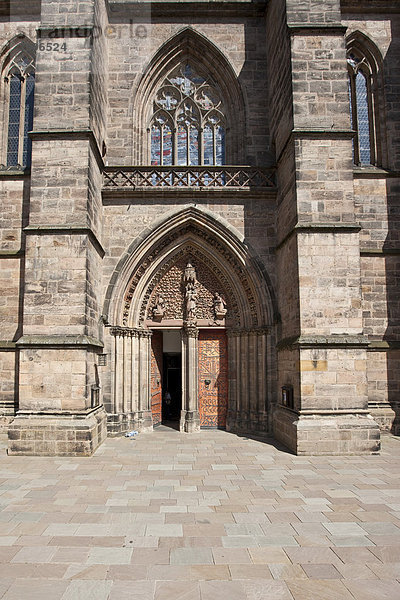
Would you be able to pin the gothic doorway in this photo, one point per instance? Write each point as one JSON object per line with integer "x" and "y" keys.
{"x": 193, "y": 280}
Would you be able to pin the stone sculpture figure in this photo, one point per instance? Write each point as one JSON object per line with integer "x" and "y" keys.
{"x": 159, "y": 308}
{"x": 190, "y": 296}
{"x": 220, "y": 309}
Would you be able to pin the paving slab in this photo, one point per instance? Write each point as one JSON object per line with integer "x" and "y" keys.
{"x": 200, "y": 517}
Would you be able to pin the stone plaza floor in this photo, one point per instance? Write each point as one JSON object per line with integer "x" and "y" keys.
{"x": 170, "y": 516}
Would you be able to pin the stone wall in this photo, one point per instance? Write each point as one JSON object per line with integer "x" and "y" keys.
{"x": 337, "y": 335}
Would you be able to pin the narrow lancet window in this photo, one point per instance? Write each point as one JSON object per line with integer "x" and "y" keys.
{"x": 362, "y": 111}
{"x": 20, "y": 87}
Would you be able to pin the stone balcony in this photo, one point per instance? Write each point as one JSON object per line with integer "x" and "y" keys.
{"x": 193, "y": 179}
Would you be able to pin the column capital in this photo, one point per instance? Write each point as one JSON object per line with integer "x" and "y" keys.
{"x": 119, "y": 331}
{"x": 190, "y": 329}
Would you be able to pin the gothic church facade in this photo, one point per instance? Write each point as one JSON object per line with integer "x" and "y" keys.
{"x": 199, "y": 221}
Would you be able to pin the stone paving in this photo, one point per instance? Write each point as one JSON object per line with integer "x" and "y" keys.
{"x": 170, "y": 516}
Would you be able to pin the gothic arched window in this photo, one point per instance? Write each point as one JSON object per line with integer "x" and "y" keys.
{"x": 19, "y": 87}
{"x": 365, "y": 92}
{"x": 188, "y": 125}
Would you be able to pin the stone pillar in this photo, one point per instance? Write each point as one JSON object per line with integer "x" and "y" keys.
{"x": 262, "y": 377}
{"x": 243, "y": 409}
{"x": 253, "y": 381}
{"x": 59, "y": 410}
{"x": 145, "y": 419}
{"x": 321, "y": 351}
{"x": 190, "y": 418}
{"x": 248, "y": 381}
{"x": 233, "y": 381}
{"x": 124, "y": 414}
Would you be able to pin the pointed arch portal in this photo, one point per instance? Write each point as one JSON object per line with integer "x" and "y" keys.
{"x": 190, "y": 313}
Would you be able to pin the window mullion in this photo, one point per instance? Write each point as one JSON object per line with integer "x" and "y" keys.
{"x": 22, "y": 120}
{"x": 214, "y": 145}
{"x": 161, "y": 145}
{"x": 201, "y": 146}
{"x": 371, "y": 120}
{"x": 353, "y": 100}
{"x": 175, "y": 145}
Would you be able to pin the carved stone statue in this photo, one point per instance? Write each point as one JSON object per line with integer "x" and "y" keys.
{"x": 190, "y": 297}
{"x": 159, "y": 308}
{"x": 220, "y": 309}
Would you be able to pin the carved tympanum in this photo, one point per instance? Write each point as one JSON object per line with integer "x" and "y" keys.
{"x": 189, "y": 291}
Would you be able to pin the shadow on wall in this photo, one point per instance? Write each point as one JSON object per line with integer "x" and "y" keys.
{"x": 391, "y": 245}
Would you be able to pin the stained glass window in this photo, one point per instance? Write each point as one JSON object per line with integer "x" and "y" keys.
{"x": 14, "y": 120}
{"x": 21, "y": 82}
{"x": 360, "y": 110}
{"x": 195, "y": 134}
{"x": 363, "y": 118}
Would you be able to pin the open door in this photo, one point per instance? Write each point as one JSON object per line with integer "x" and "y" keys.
{"x": 213, "y": 378}
{"x": 156, "y": 376}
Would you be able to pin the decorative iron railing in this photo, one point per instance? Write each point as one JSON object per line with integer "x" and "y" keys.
{"x": 208, "y": 177}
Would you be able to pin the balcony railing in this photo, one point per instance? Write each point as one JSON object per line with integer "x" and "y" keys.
{"x": 203, "y": 177}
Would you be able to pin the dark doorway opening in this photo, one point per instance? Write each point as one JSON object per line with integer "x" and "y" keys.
{"x": 172, "y": 387}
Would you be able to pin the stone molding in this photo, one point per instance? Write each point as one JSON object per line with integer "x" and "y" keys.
{"x": 65, "y": 31}
{"x": 11, "y": 253}
{"x": 14, "y": 172}
{"x": 370, "y": 6}
{"x": 322, "y": 341}
{"x": 322, "y": 133}
{"x": 374, "y": 173}
{"x": 317, "y": 28}
{"x": 7, "y": 346}
{"x": 319, "y": 228}
{"x": 59, "y": 341}
{"x": 383, "y": 345}
{"x": 315, "y": 133}
{"x": 74, "y": 134}
{"x": 188, "y": 8}
{"x": 67, "y": 230}
{"x": 380, "y": 252}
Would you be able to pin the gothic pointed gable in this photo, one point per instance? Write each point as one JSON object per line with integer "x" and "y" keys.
{"x": 190, "y": 50}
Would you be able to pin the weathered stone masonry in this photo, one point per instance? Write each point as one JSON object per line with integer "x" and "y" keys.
{"x": 303, "y": 244}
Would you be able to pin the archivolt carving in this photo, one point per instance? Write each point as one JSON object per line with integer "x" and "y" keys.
{"x": 219, "y": 249}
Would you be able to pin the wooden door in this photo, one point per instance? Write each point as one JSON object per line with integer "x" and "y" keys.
{"x": 156, "y": 376}
{"x": 213, "y": 378}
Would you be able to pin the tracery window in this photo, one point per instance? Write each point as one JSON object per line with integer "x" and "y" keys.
{"x": 19, "y": 82}
{"x": 188, "y": 124}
